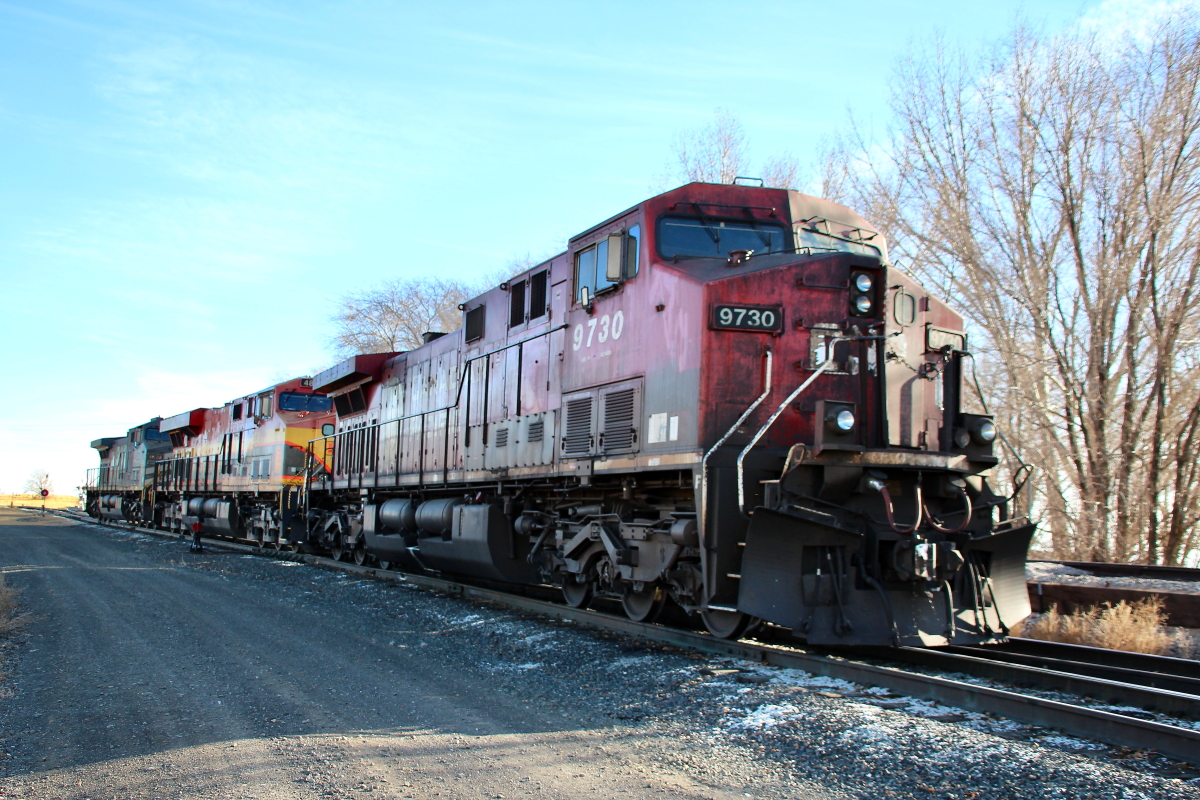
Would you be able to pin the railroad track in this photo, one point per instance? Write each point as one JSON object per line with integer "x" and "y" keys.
{"x": 1153, "y": 683}
{"x": 1181, "y": 606}
{"x": 1154, "y": 571}
{"x": 1169, "y": 686}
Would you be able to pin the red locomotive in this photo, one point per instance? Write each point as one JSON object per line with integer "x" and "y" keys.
{"x": 723, "y": 397}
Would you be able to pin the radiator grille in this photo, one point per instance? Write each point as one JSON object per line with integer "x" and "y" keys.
{"x": 537, "y": 430}
{"x": 619, "y": 430}
{"x": 502, "y": 437}
{"x": 578, "y": 438}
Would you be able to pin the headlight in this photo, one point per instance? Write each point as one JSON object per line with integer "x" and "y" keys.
{"x": 844, "y": 420}
{"x": 985, "y": 432}
{"x": 863, "y": 282}
{"x": 862, "y": 304}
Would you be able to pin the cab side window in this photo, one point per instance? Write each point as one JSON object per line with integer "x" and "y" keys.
{"x": 585, "y": 273}
{"x": 605, "y": 264}
{"x": 633, "y": 241}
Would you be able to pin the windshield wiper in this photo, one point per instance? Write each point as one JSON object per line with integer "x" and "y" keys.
{"x": 711, "y": 231}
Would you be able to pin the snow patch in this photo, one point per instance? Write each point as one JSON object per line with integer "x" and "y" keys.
{"x": 766, "y": 717}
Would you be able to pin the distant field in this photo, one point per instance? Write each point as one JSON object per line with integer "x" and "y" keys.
{"x": 33, "y": 501}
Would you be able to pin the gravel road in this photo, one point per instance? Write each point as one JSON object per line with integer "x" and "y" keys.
{"x": 151, "y": 672}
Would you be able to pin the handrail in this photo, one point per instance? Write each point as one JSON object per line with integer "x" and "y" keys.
{"x": 721, "y": 441}
{"x": 458, "y": 393}
{"x": 771, "y": 421}
{"x": 369, "y": 434}
{"x": 829, "y": 361}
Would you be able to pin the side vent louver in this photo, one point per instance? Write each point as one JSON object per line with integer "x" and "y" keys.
{"x": 619, "y": 430}
{"x": 502, "y": 437}
{"x": 537, "y": 429}
{"x": 578, "y": 438}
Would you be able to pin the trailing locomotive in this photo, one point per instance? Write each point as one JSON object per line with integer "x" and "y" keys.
{"x": 723, "y": 397}
{"x": 237, "y": 471}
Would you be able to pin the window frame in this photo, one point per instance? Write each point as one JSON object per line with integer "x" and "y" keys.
{"x": 544, "y": 276}
{"x": 305, "y": 410}
{"x": 600, "y": 246}
{"x": 518, "y": 302}
{"x": 787, "y": 234}
{"x": 474, "y": 317}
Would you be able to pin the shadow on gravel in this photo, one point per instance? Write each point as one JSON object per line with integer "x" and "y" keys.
{"x": 143, "y": 650}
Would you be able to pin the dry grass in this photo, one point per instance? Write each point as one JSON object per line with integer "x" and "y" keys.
{"x": 1137, "y": 627}
{"x": 33, "y": 501}
{"x": 10, "y": 620}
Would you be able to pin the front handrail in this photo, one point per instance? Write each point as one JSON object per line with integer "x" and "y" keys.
{"x": 704, "y": 462}
{"x": 741, "y": 483}
{"x": 826, "y": 364}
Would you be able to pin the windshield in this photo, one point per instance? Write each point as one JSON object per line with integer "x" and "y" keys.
{"x": 294, "y": 401}
{"x": 806, "y": 237}
{"x": 692, "y": 236}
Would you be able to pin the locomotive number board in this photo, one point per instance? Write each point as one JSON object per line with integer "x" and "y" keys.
{"x": 748, "y": 318}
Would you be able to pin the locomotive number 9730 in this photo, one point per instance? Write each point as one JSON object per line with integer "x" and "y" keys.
{"x": 748, "y": 318}
{"x": 598, "y": 330}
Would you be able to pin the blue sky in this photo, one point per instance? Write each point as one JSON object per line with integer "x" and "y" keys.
{"x": 187, "y": 187}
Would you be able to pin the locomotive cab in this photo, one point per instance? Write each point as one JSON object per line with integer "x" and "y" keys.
{"x": 116, "y": 490}
{"x": 841, "y": 490}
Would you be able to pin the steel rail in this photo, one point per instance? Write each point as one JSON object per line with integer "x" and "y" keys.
{"x": 1139, "y": 677}
{"x": 1153, "y": 571}
{"x": 1166, "y": 665}
{"x": 1075, "y": 720}
{"x": 1052, "y": 675}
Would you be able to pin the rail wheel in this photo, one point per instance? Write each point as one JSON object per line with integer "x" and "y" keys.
{"x": 725, "y": 624}
{"x": 385, "y": 564}
{"x": 577, "y": 594}
{"x": 337, "y": 552}
{"x": 360, "y": 555}
{"x": 643, "y": 606}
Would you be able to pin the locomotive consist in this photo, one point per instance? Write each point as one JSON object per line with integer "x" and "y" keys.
{"x": 723, "y": 397}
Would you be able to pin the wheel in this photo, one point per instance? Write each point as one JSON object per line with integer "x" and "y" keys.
{"x": 577, "y": 595}
{"x": 725, "y": 624}
{"x": 385, "y": 564}
{"x": 643, "y": 606}
{"x": 360, "y": 556}
{"x": 336, "y": 552}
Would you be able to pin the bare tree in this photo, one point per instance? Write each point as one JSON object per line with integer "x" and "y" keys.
{"x": 39, "y": 480}
{"x": 715, "y": 153}
{"x": 781, "y": 171}
{"x": 1051, "y": 188}
{"x": 393, "y": 316}
{"x": 718, "y": 153}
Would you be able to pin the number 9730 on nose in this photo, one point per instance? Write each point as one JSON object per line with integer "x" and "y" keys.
{"x": 748, "y": 318}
